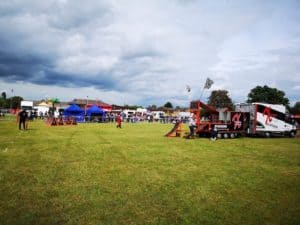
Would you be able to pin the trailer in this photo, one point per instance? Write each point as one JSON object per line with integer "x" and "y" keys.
{"x": 254, "y": 119}
{"x": 228, "y": 124}
{"x": 268, "y": 119}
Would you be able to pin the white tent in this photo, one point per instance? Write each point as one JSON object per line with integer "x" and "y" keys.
{"x": 42, "y": 107}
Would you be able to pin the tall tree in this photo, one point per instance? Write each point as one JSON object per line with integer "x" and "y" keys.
{"x": 3, "y": 103}
{"x": 220, "y": 99}
{"x": 15, "y": 102}
{"x": 3, "y": 95}
{"x": 168, "y": 105}
{"x": 296, "y": 108}
{"x": 267, "y": 95}
{"x": 54, "y": 101}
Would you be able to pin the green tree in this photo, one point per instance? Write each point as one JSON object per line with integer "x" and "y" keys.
{"x": 152, "y": 107}
{"x": 3, "y": 100}
{"x": 296, "y": 108}
{"x": 168, "y": 105}
{"x": 3, "y": 95}
{"x": 54, "y": 101}
{"x": 220, "y": 99}
{"x": 267, "y": 95}
{"x": 2, "y": 103}
{"x": 131, "y": 107}
{"x": 15, "y": 102}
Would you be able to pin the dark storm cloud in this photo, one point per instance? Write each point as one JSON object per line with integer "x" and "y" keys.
{"x": 20, "y": 67}
{"x": 37, "y": 70}
{"x": 34, "y": 33}
{"x": 65, "y": 43}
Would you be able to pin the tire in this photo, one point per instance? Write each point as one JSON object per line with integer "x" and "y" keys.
{"x": 267, "y": 134}
{"x": 292, "y": 134}
{"x": 232, "y": 135}
{"x": 225, "y": 135}
{"x": 219, "y": 136}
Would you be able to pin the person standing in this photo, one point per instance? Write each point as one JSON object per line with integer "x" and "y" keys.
{"x": 119, "y": 121}
{"x": 22, "y": 116}
{"x": 214, "y": 133}
{"x": 192, "y": 126}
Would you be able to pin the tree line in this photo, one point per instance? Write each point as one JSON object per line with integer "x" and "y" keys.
{"x": 10, "y": 103}
{"x": 265, "y": 94}
{"x": 217, "y": 99}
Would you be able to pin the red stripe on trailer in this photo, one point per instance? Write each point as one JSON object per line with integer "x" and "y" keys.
{"x": 255, "y": 119}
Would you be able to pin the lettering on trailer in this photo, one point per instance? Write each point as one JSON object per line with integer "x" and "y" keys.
{"x": 267, "y": 112}
{"x": 236, "y": 119}
{"x": 221, "y": 126}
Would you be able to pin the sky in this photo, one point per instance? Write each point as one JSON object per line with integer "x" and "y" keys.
{"x": 140, "y": 52}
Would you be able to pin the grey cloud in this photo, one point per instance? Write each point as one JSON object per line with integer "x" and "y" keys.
{"x": 40, "y": 71}
{"x": 75, "y": 14}
{"x": 113, "y": 46}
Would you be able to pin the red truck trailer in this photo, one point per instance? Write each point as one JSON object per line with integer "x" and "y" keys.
{"x": 254, "y": 119}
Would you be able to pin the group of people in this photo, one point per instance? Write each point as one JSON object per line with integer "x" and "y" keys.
{"x": 23, "y": 122}
{"x": 23, "y": 119}
{"x": 60, "y": 121}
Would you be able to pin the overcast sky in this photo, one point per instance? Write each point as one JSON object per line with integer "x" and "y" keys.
{"x": 146, "y": 52}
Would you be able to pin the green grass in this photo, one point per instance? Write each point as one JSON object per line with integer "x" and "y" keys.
{"x": 97, "y": 174}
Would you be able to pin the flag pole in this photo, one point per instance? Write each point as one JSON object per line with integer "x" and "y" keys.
{"x": 12, "y": 93}
{"x": 207, "y": 85}
{"x": 202, "y": 92}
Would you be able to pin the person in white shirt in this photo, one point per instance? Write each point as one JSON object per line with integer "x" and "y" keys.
{"x": 192, "y": 125}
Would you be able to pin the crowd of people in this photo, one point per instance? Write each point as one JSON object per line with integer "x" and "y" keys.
{"x": 56, "y": 119}
{"x": 23, "y": 117}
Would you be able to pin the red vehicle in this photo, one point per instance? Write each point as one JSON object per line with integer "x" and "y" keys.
{"x": 228, "y": 124}
{"x": 253, "y": 119}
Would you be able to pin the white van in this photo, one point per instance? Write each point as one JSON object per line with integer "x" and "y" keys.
{"x": 157, "y": 115}
{"x": 129, "y": 113}
{"x": 27, "y": 105}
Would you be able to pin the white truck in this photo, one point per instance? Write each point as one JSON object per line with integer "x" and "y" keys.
{"x": 128, "y": 114}
{"x": 27, "y": 105}
{"x": 267, "y": 119}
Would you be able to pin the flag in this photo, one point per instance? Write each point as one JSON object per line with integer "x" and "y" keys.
{"x": 208, "y": 83}
{"x": 188, "y": 88}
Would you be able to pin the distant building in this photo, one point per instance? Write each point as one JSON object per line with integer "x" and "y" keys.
{"x": 86, "y": 103}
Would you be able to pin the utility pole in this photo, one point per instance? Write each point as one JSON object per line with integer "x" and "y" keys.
{"x": 12, "y": 94}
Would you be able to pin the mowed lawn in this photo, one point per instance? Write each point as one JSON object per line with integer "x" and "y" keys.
{"x": 97, "y": 174}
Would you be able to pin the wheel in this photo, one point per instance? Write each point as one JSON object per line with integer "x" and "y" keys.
{"x": 267, "y": 134}
{"x": 225, "y": 135}
{"x": 219, "y": 136}
{"x": 292, "y": 134}
{"x": 232, "y": 135}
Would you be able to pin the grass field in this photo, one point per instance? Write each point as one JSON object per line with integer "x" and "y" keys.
{"x": 97, "y": 174}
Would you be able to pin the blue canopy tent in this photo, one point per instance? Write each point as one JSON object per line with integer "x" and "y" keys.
{"x": 74, "y": 111}
{"x": 96, "y": 111}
